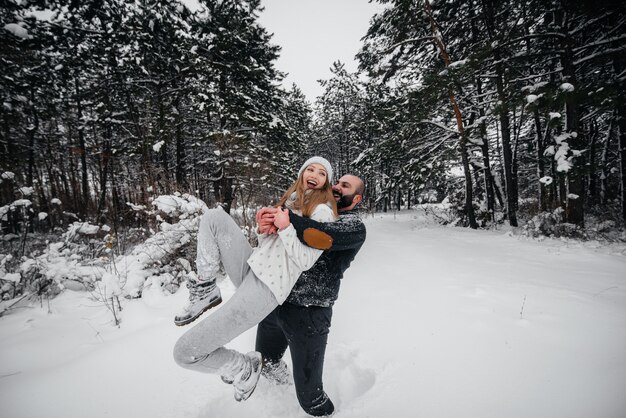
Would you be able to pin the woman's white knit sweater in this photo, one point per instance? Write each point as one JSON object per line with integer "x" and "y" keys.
{"x": 280, "y": 258}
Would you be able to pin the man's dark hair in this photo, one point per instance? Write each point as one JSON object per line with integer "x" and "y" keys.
{"x": 360, "y": 188}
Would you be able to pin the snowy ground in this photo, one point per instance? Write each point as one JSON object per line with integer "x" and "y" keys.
{"x": 431, "y": 322}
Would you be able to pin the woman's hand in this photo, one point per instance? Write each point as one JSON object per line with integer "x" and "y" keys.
{"x": 281, "y": 219}
{"x": 265, "y": 220}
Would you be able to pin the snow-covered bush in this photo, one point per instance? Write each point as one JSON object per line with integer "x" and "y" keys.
{"x": 551, "y": 224}
{"x": 156, "y": 261}
{"x": 21, "y": 208}
{"x": 88, "y": 256}
{"x": 10, "y": 281}
{"x": 43, "y": 262}
{"x": 605, "y": 222}
{"x": 543, "y": 223}
{"x": 597, "y": 226}
{"x": 443, "y": 213}
{"x": 454, "y": 204}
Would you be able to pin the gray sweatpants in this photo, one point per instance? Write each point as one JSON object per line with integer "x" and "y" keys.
{"x": 201, "y": 348}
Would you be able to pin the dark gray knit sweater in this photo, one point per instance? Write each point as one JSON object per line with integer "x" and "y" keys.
{"x": 319, "y": 286}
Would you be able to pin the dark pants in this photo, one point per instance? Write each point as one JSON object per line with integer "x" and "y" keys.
{"x": 305, "y": 331}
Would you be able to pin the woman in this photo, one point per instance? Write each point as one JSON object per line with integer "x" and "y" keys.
{"x": 263, "y": 276}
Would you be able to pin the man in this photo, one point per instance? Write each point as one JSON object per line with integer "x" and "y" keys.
{"x": 302, "y": 323}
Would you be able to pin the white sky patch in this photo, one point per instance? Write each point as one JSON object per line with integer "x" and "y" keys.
{"x": 313, "y": 35}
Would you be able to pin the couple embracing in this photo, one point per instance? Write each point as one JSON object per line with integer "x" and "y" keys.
{"x": 287, "y": 285}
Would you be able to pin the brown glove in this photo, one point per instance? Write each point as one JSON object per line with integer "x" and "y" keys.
{"x": 317, "y": 239}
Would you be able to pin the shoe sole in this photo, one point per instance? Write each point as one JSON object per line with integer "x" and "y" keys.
{"x": 242, "y": 399}
{"x": 247, "y": 395}
{"x": 193, "y": 318}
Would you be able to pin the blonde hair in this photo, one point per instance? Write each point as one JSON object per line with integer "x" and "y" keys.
{"x": 307, "y": 199}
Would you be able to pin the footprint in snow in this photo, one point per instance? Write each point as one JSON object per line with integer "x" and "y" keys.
{"x": 345, "y": 376}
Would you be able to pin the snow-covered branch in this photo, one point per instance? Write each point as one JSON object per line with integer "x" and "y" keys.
{"x": 439, "y": 125}
{"x": 407, "y": 41}
{"x": 598, "y": 43}
{"x": 600, "y": 54}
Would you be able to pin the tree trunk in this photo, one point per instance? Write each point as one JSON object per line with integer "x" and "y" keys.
{"x": 576, "y": 175}
{"x": 591, "y": 178}
{"x": 67, "y": 195}
{"x": 469, "y": 198}
{"x": 180, "y": 150}
{"x": 8, "y": 148}
{"x": 618, "y": 66}
{"x": 487, "y": 175}
{"x": 621, "y": 123}
{"x": 507, "y": 154}
{"x": 398, "y": 200}
{"x": 82, "y": 150}
{"x": 503, "y": 117}
{"x": 223, "y": 190}
{"x": 541, "y": 166}
{"x": 32, "y": 132}
{"x": 105, "y": 156}
{"x": 161, "y": 135}
{"x": 603, "y": 163}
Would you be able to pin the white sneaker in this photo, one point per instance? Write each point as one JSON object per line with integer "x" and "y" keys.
{"x": 202, "y": 297}
{"x": 246, "y": 381}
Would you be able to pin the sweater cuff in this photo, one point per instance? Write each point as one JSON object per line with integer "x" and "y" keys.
{"x": 259, "y": 235}
{"x": 289, "y": 231}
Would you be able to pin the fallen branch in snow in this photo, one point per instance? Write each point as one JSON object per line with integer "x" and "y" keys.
{"x": 9, "y": 375}
{"x": 604, "y": 290}
{"x": 12, "y": 303}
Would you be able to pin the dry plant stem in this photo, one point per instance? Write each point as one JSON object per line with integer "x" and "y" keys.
{"x": 112, "y": 309}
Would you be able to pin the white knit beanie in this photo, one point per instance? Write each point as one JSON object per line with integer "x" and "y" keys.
{"x": 319, "y": 160}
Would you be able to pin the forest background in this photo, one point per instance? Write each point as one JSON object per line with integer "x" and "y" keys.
{"x": 504, "y": 113}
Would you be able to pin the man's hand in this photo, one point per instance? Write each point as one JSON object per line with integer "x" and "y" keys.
{"x": 265, "y": 220}
{"x": 281, "y": 219}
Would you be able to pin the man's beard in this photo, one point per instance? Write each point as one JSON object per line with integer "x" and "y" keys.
{"x": 345, "y": 201}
